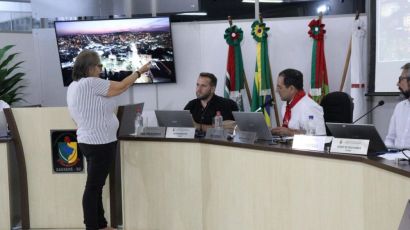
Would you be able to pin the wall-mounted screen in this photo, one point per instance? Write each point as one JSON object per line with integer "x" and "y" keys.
{"x": 124, "y": 45}
{"x": 392, "y": 43}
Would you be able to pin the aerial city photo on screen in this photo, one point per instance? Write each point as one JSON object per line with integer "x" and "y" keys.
{"x": 124, "y": 45}
{"x": 393, "y": 30}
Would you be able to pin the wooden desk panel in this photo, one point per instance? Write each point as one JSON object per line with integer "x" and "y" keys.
{"x": 4, "y": 188}
{"x": 55, "y": 200}
{"x": 385, "y": 198}
{"x": 264, "y": 190}
{"x": 177, "y": 185}
{"x": 163, "y": 189}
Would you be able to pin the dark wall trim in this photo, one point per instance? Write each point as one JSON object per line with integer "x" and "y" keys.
{"x": 371, "y": 45}
{"x": 372, "y": 94}
{"x": 115, "y": 182}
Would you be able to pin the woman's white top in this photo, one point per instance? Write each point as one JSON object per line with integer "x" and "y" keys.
{"x": 92, "y": 110}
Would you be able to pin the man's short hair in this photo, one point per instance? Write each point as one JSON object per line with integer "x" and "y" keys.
{"x": 292, "y": 77}
{"x": 211, "y": 77}
{"x": 407, "y": 68}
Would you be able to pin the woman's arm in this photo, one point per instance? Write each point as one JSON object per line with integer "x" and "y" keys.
{"x": 116, "y": 88}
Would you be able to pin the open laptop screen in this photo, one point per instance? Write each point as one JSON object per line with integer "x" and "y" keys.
{"x": 253, "y": 122}
{"x": 359, "y": 131}
{"x": 174, "y": 118}
{"x": 127, "y": 120}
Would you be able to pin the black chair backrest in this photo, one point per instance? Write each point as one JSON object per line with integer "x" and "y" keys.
{"x": 337, "y": 107}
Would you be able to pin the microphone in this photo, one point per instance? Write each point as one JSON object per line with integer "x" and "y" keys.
{"x": 269, "y": 102}
{"x": 380, "y": 103}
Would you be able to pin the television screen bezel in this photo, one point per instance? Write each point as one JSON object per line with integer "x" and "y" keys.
{"x": 115, "y": 19}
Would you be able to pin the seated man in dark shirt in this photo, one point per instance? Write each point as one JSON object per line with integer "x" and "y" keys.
{"x": 205, "y": 106}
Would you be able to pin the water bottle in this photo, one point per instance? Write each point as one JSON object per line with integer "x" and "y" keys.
{"x": 139, "y": 123}
{"x": 218, "y": 120}
{"x": 310, "y": 126}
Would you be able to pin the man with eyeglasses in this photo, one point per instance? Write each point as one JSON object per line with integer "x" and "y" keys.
{"x": 298, "y": 107}
{"x": 399, "y": 128}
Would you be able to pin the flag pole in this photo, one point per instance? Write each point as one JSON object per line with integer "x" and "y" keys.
{"x": 347, "y": 62}
{"x": 272, "y": 88}
{"x": 257, "y": 14}
{"x": 320, "y": 20}
{"x": 248, "y": 92}
{"x": 320, "y": 16}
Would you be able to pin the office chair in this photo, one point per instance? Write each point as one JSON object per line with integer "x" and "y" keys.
{"x": 337, "y": 107}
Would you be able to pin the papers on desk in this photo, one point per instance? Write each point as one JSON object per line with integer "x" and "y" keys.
{"x": 305, "y": 142}
{"x": 392, "y": 156}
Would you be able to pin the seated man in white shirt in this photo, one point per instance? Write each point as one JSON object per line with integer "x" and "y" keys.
{"x": 298, "y": 106}
{"x": 399, "y": 128}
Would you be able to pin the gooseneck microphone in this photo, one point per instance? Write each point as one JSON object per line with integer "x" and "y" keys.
{"x": 380, "y": 103}
{"x": 269, "y": 102}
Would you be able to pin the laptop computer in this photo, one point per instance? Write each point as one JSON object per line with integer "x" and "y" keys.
{"x": 174, "y": 118}
{"x": 359, "y": 131}
{"x": 127, "y": 119}
{"x": 253, "y": 122}
{"x": 405, "y": 220}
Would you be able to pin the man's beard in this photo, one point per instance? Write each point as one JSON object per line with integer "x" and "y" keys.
{"x": 406, "y": 94}
{"x": 203, "y": 97}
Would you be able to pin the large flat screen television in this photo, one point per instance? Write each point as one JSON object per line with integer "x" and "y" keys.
{"x": 124, "y": 45}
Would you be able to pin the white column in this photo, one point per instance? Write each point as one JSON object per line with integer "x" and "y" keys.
{"x": 257, "y": 9}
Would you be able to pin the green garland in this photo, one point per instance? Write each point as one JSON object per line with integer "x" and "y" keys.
{"x": 233, "y": 35}
{"x": 259, "y": 31}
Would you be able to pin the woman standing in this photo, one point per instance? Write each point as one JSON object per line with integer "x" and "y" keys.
{"x": 90, "y": 103}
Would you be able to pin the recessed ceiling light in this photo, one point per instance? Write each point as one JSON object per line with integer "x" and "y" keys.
{"x": 323, "y": 9}
{"x": 193, "y": 14}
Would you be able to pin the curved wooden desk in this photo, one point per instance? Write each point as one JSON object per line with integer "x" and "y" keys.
{"x": 4, "y": 188}
{"x": 199, "y": 184}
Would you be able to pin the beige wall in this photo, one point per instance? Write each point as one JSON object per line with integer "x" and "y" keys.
{"x": 4, "y": 189}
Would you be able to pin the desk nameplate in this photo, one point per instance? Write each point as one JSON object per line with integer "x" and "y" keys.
{"x": 180, "y": 132}
{"x": 155, "y": 132}
{"x": 244, "y": 137}
{"x": 305, "y": 142}
{"x": 350, "y": 146}
{"x": 216, "y": 134}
